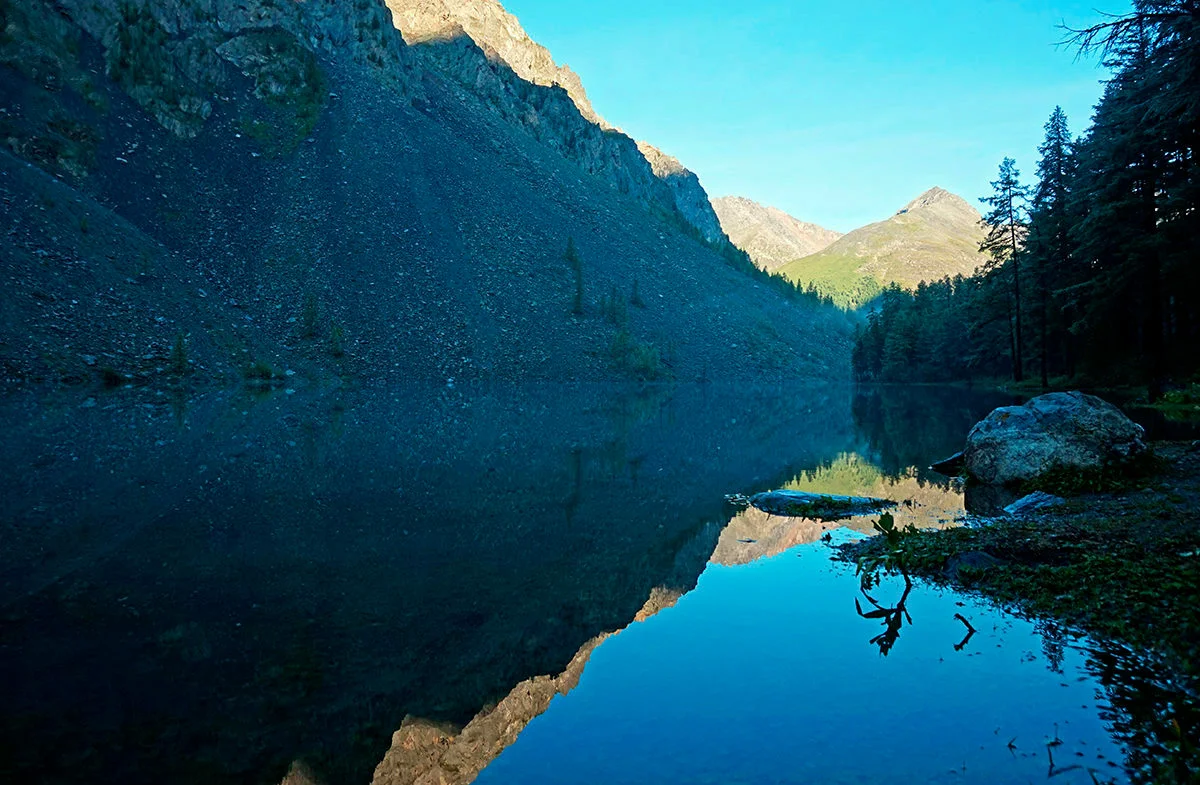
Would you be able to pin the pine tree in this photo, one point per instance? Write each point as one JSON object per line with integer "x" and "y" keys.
{"x": 1048, "y": 250}
{"x": 1139, "y": 224}
{"x": 1006, "y": 228}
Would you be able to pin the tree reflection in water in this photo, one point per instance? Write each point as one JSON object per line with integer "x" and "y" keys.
{"x": 1151, "y": 699}
{"x": 893, "y": 618}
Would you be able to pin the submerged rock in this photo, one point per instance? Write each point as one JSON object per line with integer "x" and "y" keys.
{"x": 952, "y": 466}
{"x": 1038, "y": 500}
{"x": 1059, "y": 431}
{"x": 818, "y": 506}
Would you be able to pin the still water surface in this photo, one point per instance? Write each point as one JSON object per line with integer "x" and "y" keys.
{"x": 523, "y": 585}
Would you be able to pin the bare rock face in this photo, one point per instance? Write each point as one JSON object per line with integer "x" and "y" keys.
{"x": 500, "y": 37}
{"x": 173, "y": 56}
{"x": 1060, "y": 431}
{"x": 770, "y": 236}
{"x": 690, "y": 197}
{"x": 498, "y": 33}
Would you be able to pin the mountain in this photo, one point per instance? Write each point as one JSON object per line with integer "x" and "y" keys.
{"x": 211, "y": 190}
{"x": 933, "y": 236}
{"x": 771, "y": 237}
{"x": 502, "y": 39}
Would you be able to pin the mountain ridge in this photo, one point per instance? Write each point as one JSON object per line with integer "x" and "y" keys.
{"x": 499, "y": 33}
{"x": 769, "y": 235}
{"x": 500, "y": 36}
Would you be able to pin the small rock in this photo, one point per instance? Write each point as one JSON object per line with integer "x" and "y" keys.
{"x": 1038, "y": 500}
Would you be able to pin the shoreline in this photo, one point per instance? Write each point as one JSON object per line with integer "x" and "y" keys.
{"x": 1122, "y": 568}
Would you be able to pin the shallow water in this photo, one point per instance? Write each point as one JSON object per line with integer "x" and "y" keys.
{"x": 227, "y": 587}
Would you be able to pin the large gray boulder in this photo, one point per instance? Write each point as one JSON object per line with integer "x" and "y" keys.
{"x": 1070, "y": 431}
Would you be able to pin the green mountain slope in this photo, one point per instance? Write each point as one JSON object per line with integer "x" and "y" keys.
{"x": 935, "y": 235}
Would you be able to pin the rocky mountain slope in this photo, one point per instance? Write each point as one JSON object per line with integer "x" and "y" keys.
{"x": 771, "y": 237}
{"x": 935, "y": 235}
{"x": 208, "y": 189}
{"x": 499, "y": 34}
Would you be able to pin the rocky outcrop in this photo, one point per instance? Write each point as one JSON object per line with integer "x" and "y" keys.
{"x": 174, "y": 57}
{"x": 690, "y": 197}
{"x": 1071, "y": 432}
{"x": 602, "y": 150}
{"x": 951, "y": 467}
{"x": 1034, "y": 502}
{"x": 498, "y": 33}
{"x": 549, "y": 116}
{"x": 770, "y": 236}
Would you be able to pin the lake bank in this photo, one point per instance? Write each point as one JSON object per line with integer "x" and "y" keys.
{"x": 1122, "y": 567}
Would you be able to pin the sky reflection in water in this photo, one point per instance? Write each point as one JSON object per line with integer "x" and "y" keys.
{"x": 764, "y": 673}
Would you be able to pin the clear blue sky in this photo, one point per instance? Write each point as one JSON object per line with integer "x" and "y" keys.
{"x": 837, "y": 112}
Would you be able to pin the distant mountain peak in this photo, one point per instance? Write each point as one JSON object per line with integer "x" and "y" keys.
{"x": 934, "y": 197}
{"x": 935, "y": 235}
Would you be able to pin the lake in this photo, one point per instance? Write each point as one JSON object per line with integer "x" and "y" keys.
{"x": 543, "y": 584}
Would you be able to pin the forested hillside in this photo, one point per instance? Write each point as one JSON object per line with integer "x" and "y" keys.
{"x": 1094, "y": 269}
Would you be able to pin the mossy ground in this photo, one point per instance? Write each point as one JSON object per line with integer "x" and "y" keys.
{"x": 1122, "y": 567}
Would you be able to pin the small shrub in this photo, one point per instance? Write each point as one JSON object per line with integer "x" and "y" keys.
{"x": 613, "y": 309}
{"x": 337, "y": 337}
{"x": 261, "y": 372}
{"x": 179, "y": 358}
{"x": 1188, "y": 395}
{"x": 1110, "y": 478}
{"x": 576, "y": 264}
{"x": 110, "y": 378}
{"x": 309, "y": 315}
{"x": 635, "y": 358}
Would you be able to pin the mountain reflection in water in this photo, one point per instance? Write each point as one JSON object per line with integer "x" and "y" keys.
{"x": 207, "y": 590}
{"x": 235, "y": 587}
